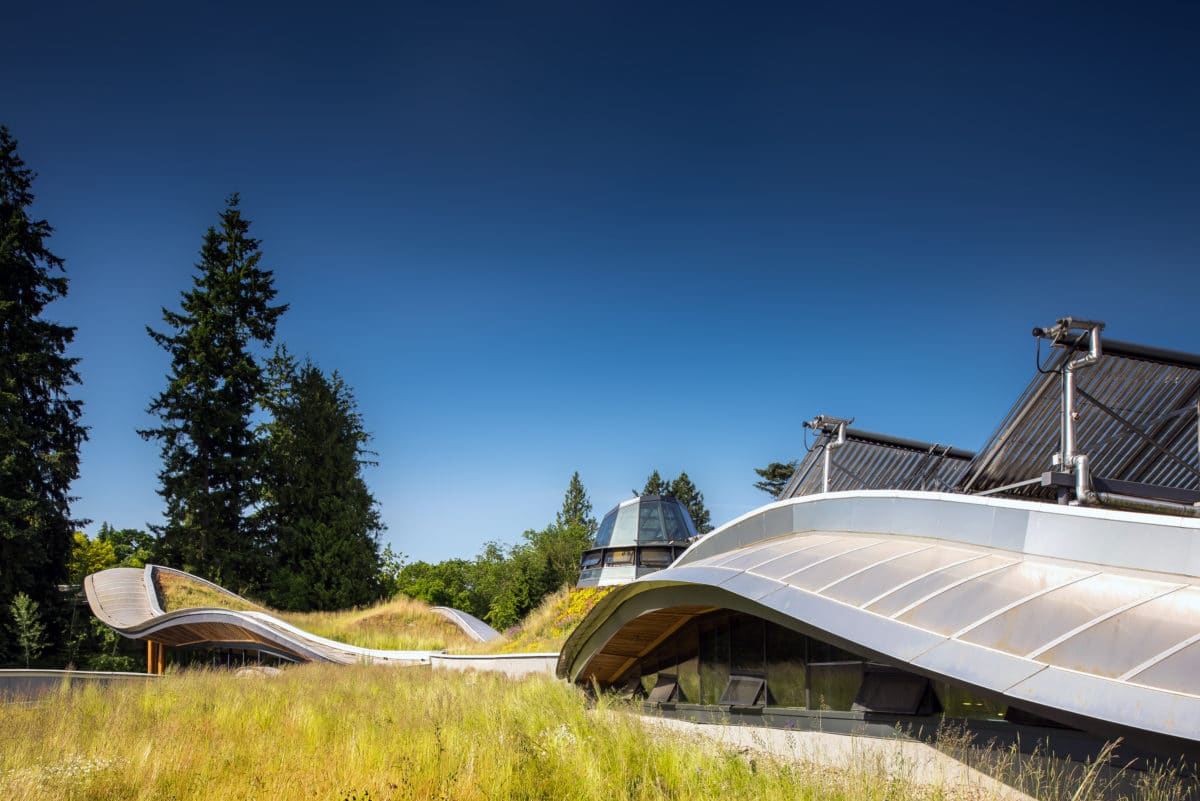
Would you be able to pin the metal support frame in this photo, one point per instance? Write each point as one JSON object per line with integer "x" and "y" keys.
{"x": 835, "y": 429}
{"x": 1060, "y": 335}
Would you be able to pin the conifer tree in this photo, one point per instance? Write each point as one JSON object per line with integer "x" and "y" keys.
{"x": 320, "y": 516}
{"x": 577, "y": 507}
{"x": 775, "y": 476}
{"x": 684, "y": 490}
{"x": 210, "y": 477}
{"x": 655, "y": 485}
{"x": 40, "y": 433}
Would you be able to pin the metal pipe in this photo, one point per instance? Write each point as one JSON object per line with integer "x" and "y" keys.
{"x": 1093, "y": 355}
{"x": 1083, "y": 482}
{"x": 830, "y": 427}
{"x": 1129, "y": 503}
{"x": 1061, "y": 336}
{"x": 829, "y": 448}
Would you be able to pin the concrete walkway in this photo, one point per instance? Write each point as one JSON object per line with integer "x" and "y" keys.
{"x": 907, "y": 759}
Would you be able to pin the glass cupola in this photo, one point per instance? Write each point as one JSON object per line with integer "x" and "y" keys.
{"x": 641, "y": 535}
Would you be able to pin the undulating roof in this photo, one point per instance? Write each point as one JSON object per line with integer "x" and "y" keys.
{"x": 1074, "y": 613}
{"x": 125, "y": 600}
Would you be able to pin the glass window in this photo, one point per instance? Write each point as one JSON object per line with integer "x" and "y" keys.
{"x": 676, "y": 527}
{"x": 591, "y": 559}
{"x": 746, "y": 644}
{"x": 655, "y": 557}
{"x": 625, "y": 530}
{"x": 604, "y": 533}
{"x": 623, "y": 557}
{"x": 786, "y": 679}
{"x": 714, "y": 659}
{"x": 650, "y": 525}
{"x": 958, "y": 703}
{"x": 688, "y": 643}
{"x": 833, "y": 685}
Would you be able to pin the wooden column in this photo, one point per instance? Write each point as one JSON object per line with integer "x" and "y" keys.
{"x": 149, "y": 656}
{"x": 162, "y": 657}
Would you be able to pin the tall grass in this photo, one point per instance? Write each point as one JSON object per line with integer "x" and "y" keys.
{"x": 547, "y": 627}
{"x": 334, "y": 732}
{"x": 401, "y": 624}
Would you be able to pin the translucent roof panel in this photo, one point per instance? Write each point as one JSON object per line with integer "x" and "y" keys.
{"x": 1037, "y": 622}
{"x": 1117, "y": 644}
{"x": 970, "y": 602}
{"x": 897, "y": 598}
{"x": 862, "y": 587}
{"x": 1177, "y": 671}
{"x": 646, "y": 520}
{"x": 831, "y": 570}
{"x": 786, "y": 565}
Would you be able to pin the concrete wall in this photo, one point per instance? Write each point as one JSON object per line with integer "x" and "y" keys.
{"x": 26, "y": 684}
{"x": 511, "y": 665}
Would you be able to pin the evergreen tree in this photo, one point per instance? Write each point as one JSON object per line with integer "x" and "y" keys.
{"x": 655, "y": 485}
{"x": 40, "y": 433}
{"x": 321, "y": 517}
{"x": 775, "y": 476}
{"x": 683, "y": 489}
{"x": 210, "y": 477}
{"x": 577, "y": 507}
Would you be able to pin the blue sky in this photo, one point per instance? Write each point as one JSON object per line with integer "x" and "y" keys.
{"x": 538, "y": 238}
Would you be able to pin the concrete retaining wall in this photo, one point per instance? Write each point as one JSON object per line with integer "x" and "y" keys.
{"x": 511, "y": 665}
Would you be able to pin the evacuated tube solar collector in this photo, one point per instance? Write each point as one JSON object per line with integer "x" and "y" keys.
{"x": 638, "y": 536}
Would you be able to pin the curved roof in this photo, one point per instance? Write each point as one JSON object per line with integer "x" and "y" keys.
{"x": 472, "y": 626}
{"x": 125, "y": 600}
{"x": 1088, "y": 616}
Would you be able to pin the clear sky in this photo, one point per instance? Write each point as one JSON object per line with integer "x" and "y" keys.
{"x": 612, "y": 237}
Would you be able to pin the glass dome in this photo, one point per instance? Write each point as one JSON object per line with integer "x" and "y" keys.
{"x": 646, "y": 520}
{"x": 639, "y": 536}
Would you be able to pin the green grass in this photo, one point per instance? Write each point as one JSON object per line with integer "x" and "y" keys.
{"x": 547, "y": 627}
{"x": 332, "y": 732}
{"x": 400, "y": 624}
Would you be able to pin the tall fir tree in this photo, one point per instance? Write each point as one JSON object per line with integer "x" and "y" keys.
{"x": 684, "y": 490}
{"x": 322, "y": 520}
{"x": 40, "y": 433}
{"x": 210, "y": 478}
{"x": 655, "y": 485}
{"x": 775, "y": 476}
{"x": 576, "y": 508}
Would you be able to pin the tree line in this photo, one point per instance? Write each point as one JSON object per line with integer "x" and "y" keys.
{"x": 262, "y": 453}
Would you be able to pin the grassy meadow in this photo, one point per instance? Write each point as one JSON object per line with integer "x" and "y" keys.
{"x": 330, "y": 732}
{"x": 400, "y": 624}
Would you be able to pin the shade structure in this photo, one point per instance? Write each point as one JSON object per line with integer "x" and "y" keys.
{"x": 1087, "y": 617}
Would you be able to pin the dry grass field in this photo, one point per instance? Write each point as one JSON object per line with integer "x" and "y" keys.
{"x": 336, "y": 733}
